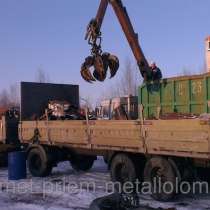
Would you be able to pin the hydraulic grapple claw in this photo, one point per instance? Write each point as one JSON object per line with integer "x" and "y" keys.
{"x": 101, "y": 64}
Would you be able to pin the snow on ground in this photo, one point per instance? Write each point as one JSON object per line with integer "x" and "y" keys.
{"x": 67, "y": 189}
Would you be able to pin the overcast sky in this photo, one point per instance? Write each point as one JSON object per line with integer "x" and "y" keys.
{"x": 50, "y": 34}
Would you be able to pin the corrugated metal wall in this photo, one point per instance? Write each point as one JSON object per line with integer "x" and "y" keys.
{"x": 189, "y": 94}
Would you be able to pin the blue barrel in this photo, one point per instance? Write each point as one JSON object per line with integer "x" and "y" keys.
{"x": 16, "y": 165}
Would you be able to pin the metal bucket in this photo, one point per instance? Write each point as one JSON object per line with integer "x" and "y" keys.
{"x": 16, "y": 165}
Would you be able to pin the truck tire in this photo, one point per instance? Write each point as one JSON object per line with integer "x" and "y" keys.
{"x": 38, "y": 163}
{"x": 123, "y": 169}
{"x": 82, "y": 162}
{"x": 160, "y": 173}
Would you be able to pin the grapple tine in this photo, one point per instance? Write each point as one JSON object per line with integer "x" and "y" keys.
{"x": 89, "y": 61}
{"x": 99, "y": 72}
{"x": 105, "y": 58}
{"x": 114, "y": 65}
{"x": 99, "y": 77}
{"x": 86, "y": 74}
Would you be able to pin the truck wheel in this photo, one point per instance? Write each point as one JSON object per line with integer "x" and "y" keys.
{"x": 160, "y": 174}
{"x": 38, "y": 163}
{"x": 123, "y": 170}
{"x": 82, "y": 162}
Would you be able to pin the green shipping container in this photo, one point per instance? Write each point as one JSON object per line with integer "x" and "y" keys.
{"x": 188, "y": 94}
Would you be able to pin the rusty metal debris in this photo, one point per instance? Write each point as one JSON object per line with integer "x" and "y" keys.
{"x": 62, "y": 110}
{"x": 175, "y": 116}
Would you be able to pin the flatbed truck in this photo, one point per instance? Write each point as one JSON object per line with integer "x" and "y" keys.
{"x": 134, "y": 149}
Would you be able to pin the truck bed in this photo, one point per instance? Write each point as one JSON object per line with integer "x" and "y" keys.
{"x": 184, "y": 138}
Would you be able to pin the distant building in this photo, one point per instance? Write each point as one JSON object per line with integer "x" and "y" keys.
{"x": 128, "y": 103}
{"x": 208, "y": 53}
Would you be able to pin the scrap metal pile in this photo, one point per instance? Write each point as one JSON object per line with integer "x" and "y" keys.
{"x": 63, "y": 110}
{"x": 173, "y": 116}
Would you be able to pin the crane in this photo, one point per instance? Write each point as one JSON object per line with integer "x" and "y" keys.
{"x": 102, "y": 61}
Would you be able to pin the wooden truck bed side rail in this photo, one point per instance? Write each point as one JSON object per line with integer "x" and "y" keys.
{"x": 97, "y": 134}
{"x": 50, "y": 132}
{"x": 117, "y": 135}
{"x": 186, "y": 138}
{"x": 189, "y": 138}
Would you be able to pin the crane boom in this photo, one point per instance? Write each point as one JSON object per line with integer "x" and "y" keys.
{"x": 101, "y": 12}
{"x": 100, "y": 61}
{"x": 131, "y": 36}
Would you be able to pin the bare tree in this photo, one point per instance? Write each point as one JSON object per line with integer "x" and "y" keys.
{"x": 14, "y": 94}
{"x": 186, "y": 72}
{"x": 128, "y": 82}
{"x": 189, "y": 71}
{"x": 10, "y": 98}
{"x": 86, "y": 102}
{"x": 203, "y": 68}
{"x": 41, "y": 76}
{"x": 4, "y": 98}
